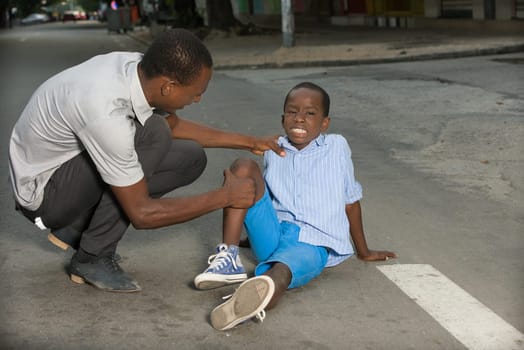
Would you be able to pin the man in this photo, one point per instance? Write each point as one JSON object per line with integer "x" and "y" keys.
{"x": 98, "y": 144}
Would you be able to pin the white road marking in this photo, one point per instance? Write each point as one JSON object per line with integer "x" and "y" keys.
{"x": 466, "y": 318}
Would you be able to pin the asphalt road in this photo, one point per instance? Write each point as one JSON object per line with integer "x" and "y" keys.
{"x": 428, "y": 217}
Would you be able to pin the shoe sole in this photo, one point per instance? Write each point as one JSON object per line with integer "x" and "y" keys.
{"x": 251, "y": 297}
{"x": 206, "y": 281}
{"x": 81, "y": 280}
{"x": 57, "y": 242}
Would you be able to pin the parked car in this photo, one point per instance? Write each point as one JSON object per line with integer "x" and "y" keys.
{"x": 73, "y": 16}
{"x": 35, "y": 18}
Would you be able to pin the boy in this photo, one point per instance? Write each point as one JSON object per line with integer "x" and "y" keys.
{"x": 306, "y": 202}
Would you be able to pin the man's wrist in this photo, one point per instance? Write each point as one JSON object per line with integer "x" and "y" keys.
{"x": 251, "y": 142}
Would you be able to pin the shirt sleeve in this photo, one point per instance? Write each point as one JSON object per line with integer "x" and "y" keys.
{"x": 353, "y": 189}
{"x": 110, "y": 143}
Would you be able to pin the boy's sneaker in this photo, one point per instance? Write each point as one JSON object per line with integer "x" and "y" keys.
{"x": 248, "y": 301}
{"x": 224, "y": 268}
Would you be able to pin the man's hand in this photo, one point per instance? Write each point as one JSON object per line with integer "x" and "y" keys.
{"x": 267, "y": 143}
{"x": 373, "y": 255}
{"x": 241, "y": 191}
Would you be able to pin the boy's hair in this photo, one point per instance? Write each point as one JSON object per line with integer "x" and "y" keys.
{"x": 315, "y": 87}
{"x": 177, "y": 54}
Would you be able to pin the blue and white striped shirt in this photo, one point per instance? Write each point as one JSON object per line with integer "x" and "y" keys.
{"x": 311, "y": 188}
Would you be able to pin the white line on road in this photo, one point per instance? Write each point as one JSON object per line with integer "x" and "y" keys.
{"x": 466, "y": 318}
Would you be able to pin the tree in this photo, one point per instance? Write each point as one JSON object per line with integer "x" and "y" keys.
{"x": 4, "y": 13}
{"x": 219, "y": 12}
{"x": 26, "y": 7}
{"x": 89, "y": 5}
{"x": 186, "y": 13}
{"x": 220, "y": 15}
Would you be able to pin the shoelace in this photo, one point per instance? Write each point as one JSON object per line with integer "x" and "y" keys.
{"x": 111, "y": 263}
{"x": 220, "y": 260}
{"x": 261, "y": 315}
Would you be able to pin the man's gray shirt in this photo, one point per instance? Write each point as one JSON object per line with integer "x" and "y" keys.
{"x": 92, "y": 107}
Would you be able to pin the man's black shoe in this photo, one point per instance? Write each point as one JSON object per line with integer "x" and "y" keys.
{"x": 104, "y": 273}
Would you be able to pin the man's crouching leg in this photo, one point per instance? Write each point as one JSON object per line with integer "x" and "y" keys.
{"x": 95, "y": 262}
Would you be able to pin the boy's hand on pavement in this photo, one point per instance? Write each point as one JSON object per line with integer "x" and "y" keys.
{"x": 263, "y": 144}
{"x": 377, "y": 255}
{"x": 241, "y": 191}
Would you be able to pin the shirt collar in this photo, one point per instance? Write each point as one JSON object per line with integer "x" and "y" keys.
{"x": 139, "y": 102}
{"x": 318, "y": 142}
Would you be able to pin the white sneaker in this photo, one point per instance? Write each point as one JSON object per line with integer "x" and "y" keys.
{"x": 248, "y": 301}
{"x": 225, "y": 267}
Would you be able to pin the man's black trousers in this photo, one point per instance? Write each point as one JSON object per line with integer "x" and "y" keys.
{"x": 76, "y": 196}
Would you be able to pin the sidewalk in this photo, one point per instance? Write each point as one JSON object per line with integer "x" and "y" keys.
{"x": 326, "y": 45}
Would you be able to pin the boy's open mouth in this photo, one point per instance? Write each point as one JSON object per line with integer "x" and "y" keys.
{"x": 298, "y": 131}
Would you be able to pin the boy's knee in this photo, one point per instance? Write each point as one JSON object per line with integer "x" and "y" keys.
{"x": 244, "y": 167}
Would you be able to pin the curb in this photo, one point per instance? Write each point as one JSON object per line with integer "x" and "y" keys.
{"x": 355, "y": 62}
{"x": 136, "y": 38}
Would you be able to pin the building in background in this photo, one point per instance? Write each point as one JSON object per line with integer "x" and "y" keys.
{"x": 389, "y": 13}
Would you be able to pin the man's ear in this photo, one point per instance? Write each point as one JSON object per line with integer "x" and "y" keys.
{"x": 325, "y": 123}
{"x": 282, "y": 120}
{"x": 166, "y": 88}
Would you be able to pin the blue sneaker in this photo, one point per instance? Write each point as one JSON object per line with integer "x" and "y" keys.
{"x": 224, "y": 268}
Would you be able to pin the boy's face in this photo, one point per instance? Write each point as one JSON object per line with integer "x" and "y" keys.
{"x": 303, "y": 119}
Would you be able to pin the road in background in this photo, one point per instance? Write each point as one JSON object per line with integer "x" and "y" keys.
{"x": 404, "y": 123}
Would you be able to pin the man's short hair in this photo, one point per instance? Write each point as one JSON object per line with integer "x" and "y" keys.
{"x": 311, "y": 86}
{"x": 177, "y": 54}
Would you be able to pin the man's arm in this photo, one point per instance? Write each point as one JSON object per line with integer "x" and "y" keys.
{"x": 214, "y": 138}
{"x": 145, "y": 212}
{"x": 356, "y": 229}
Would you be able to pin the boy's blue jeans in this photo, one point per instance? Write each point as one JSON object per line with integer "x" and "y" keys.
{"x": 273, "y": 241}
